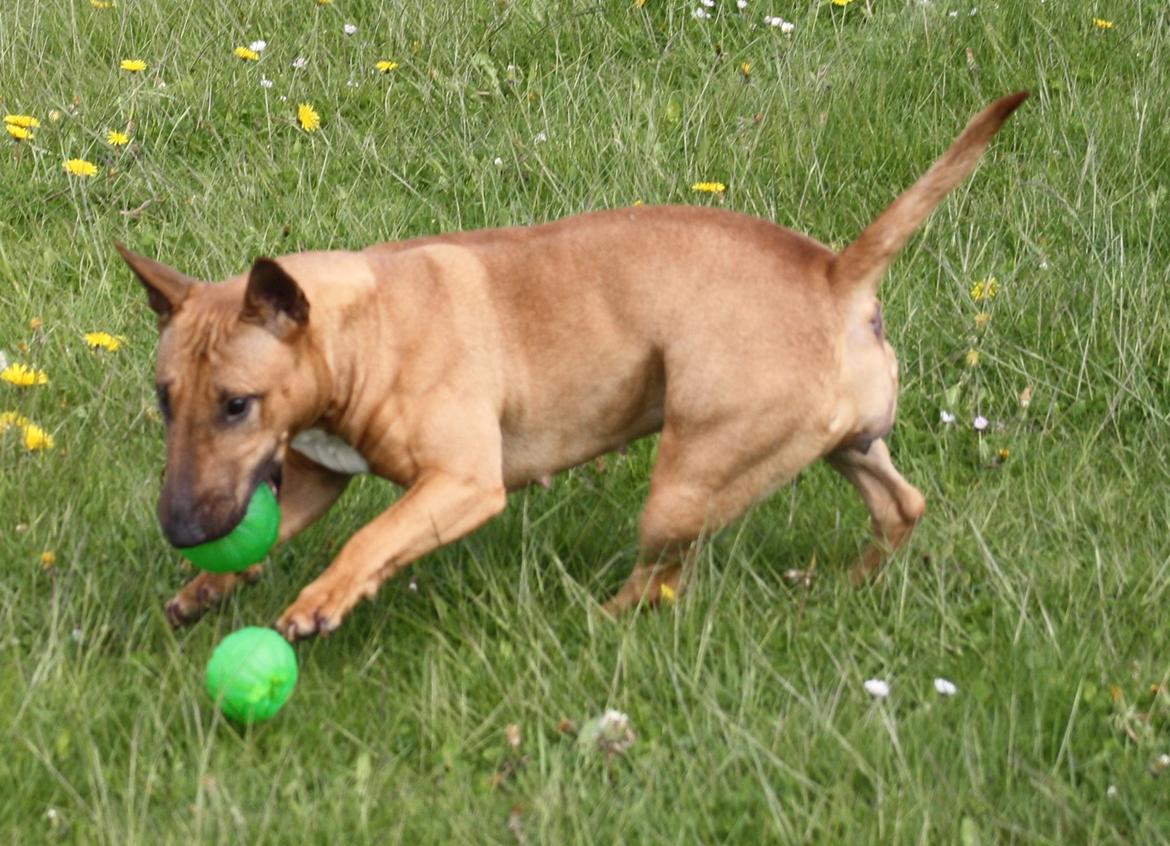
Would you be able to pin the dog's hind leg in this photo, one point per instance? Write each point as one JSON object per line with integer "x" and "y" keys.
{"x": 307, "y": 491}
{"x": 895, "y": 506}
{"x": 701, "y": 484}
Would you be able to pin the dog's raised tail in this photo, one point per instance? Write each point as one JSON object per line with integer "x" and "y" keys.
{"x": 863, "y": 263}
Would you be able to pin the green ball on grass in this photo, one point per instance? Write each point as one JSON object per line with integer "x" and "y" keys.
{"x": 252, "y": 674}
{"x": 248, "y": 543}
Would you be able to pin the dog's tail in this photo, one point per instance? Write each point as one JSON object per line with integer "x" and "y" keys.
{"x": 863, "y": 263}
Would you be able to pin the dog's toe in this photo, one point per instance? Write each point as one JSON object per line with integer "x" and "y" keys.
{"x": 180, "y": 614}
{"x": 318, "y": 610}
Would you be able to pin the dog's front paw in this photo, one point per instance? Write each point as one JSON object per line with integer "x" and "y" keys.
{"x": 205, "y": 590}
{"x": 319, "y": 609}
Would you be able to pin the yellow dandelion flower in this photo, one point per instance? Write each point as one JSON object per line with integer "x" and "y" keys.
{"x": 639, "y": 3}
{"x": 985, "y": 289}
{"x": 133, "y": 65}
{"x": 709, "y": 187}
{"x": 308, "y": 118}
{"x": 35, "y": 324}
{"x": 746, "y": 69}
{"x": 1101, "y": 23}
{"x": 638, "y": 203}
{"x": 982, "y": 319}
{"x": 842, "y": 2}
{"x": 48, "y": 558}
{"x": 246, "y": 54}
{"x": 23, "y": 376}
{"x": 385, "y": 66}
{"x": 102, "y": 4}
{"x": 10, "y": 418}
{"x": 18, "y": 132}
{"x": 117, "y": 139}
{"x": 1004, "y": 454}
{"x": 324, "y": 2}
{"x": 23, "y": 121}
{"x": 104, "y": 341}
{"x": 667, "y": 593}
{"x": 972, "y": 358}
{"x": 37, "y": 438}
{"x": 81, "y": 167}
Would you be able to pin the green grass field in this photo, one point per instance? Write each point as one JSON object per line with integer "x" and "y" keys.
{"x": 1039, "y": 583}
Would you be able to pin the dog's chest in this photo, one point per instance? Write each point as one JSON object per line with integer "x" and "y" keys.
{"x": 330, "y": 451}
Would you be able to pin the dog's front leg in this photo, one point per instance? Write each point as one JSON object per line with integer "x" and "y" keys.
{"x": 440, "y": 507}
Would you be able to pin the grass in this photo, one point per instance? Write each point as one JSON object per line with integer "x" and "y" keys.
{"x": 1037, "y": 584}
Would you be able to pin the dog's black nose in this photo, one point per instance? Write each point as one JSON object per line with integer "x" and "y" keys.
{"x": 184, "y": 532}
{"x": 189, "y": 523}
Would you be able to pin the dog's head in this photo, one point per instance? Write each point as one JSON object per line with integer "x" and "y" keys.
{"x": 235, "y": 378}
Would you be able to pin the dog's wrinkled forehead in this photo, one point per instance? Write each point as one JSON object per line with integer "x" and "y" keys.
{"x": 206, "y": 335}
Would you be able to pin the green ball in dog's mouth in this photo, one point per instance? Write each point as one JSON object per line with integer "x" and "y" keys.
{"x": 248, "y": 543}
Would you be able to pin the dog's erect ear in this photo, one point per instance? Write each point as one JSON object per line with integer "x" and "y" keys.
{"x": 274, "y": 300}
{"x": 166, "y": 288}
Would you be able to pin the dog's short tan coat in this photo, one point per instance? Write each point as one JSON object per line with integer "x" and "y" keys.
{"x": 463, "y": 366}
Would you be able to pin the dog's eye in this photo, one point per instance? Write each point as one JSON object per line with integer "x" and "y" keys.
{"x": 236, "y": 407}
{"x": 164, "y": 402}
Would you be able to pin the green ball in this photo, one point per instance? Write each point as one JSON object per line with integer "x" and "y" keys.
{"x": 249, "y": 542}
{"x": 252, "y": 674}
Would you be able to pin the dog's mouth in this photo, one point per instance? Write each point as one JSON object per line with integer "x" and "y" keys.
{"x": 193, "y": 527}
{"x": 270, "y": 473}
{"x": 274, "y": 477}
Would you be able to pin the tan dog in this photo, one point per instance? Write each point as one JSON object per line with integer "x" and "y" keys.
{"x": 467, "y": 365}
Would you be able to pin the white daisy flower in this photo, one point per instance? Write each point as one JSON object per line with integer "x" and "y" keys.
{"x": 258, "y": 46}
{"x": 700, "y": 14}
{"x": 350, "y": 29}
{"x": 946, "y": 417}
{"x": 710, "y": 4}
{"x": 611, "y": 733}
{"x": 265, "y": 82}
{"x": 300, "y": 62}
{"x": 539, "y": 138}
{"x": 741, "y": 4}
{"x": 786, "y": 27}
{"x": 498, "y": 162}
{"x": 945, "y": 687}
{"x": 980, "y": 423}
{"x": 877, "y": 688}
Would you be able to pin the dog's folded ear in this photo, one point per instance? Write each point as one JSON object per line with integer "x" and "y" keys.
{"x": 273, "y": 299}
{"x": 166, "y": 288}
